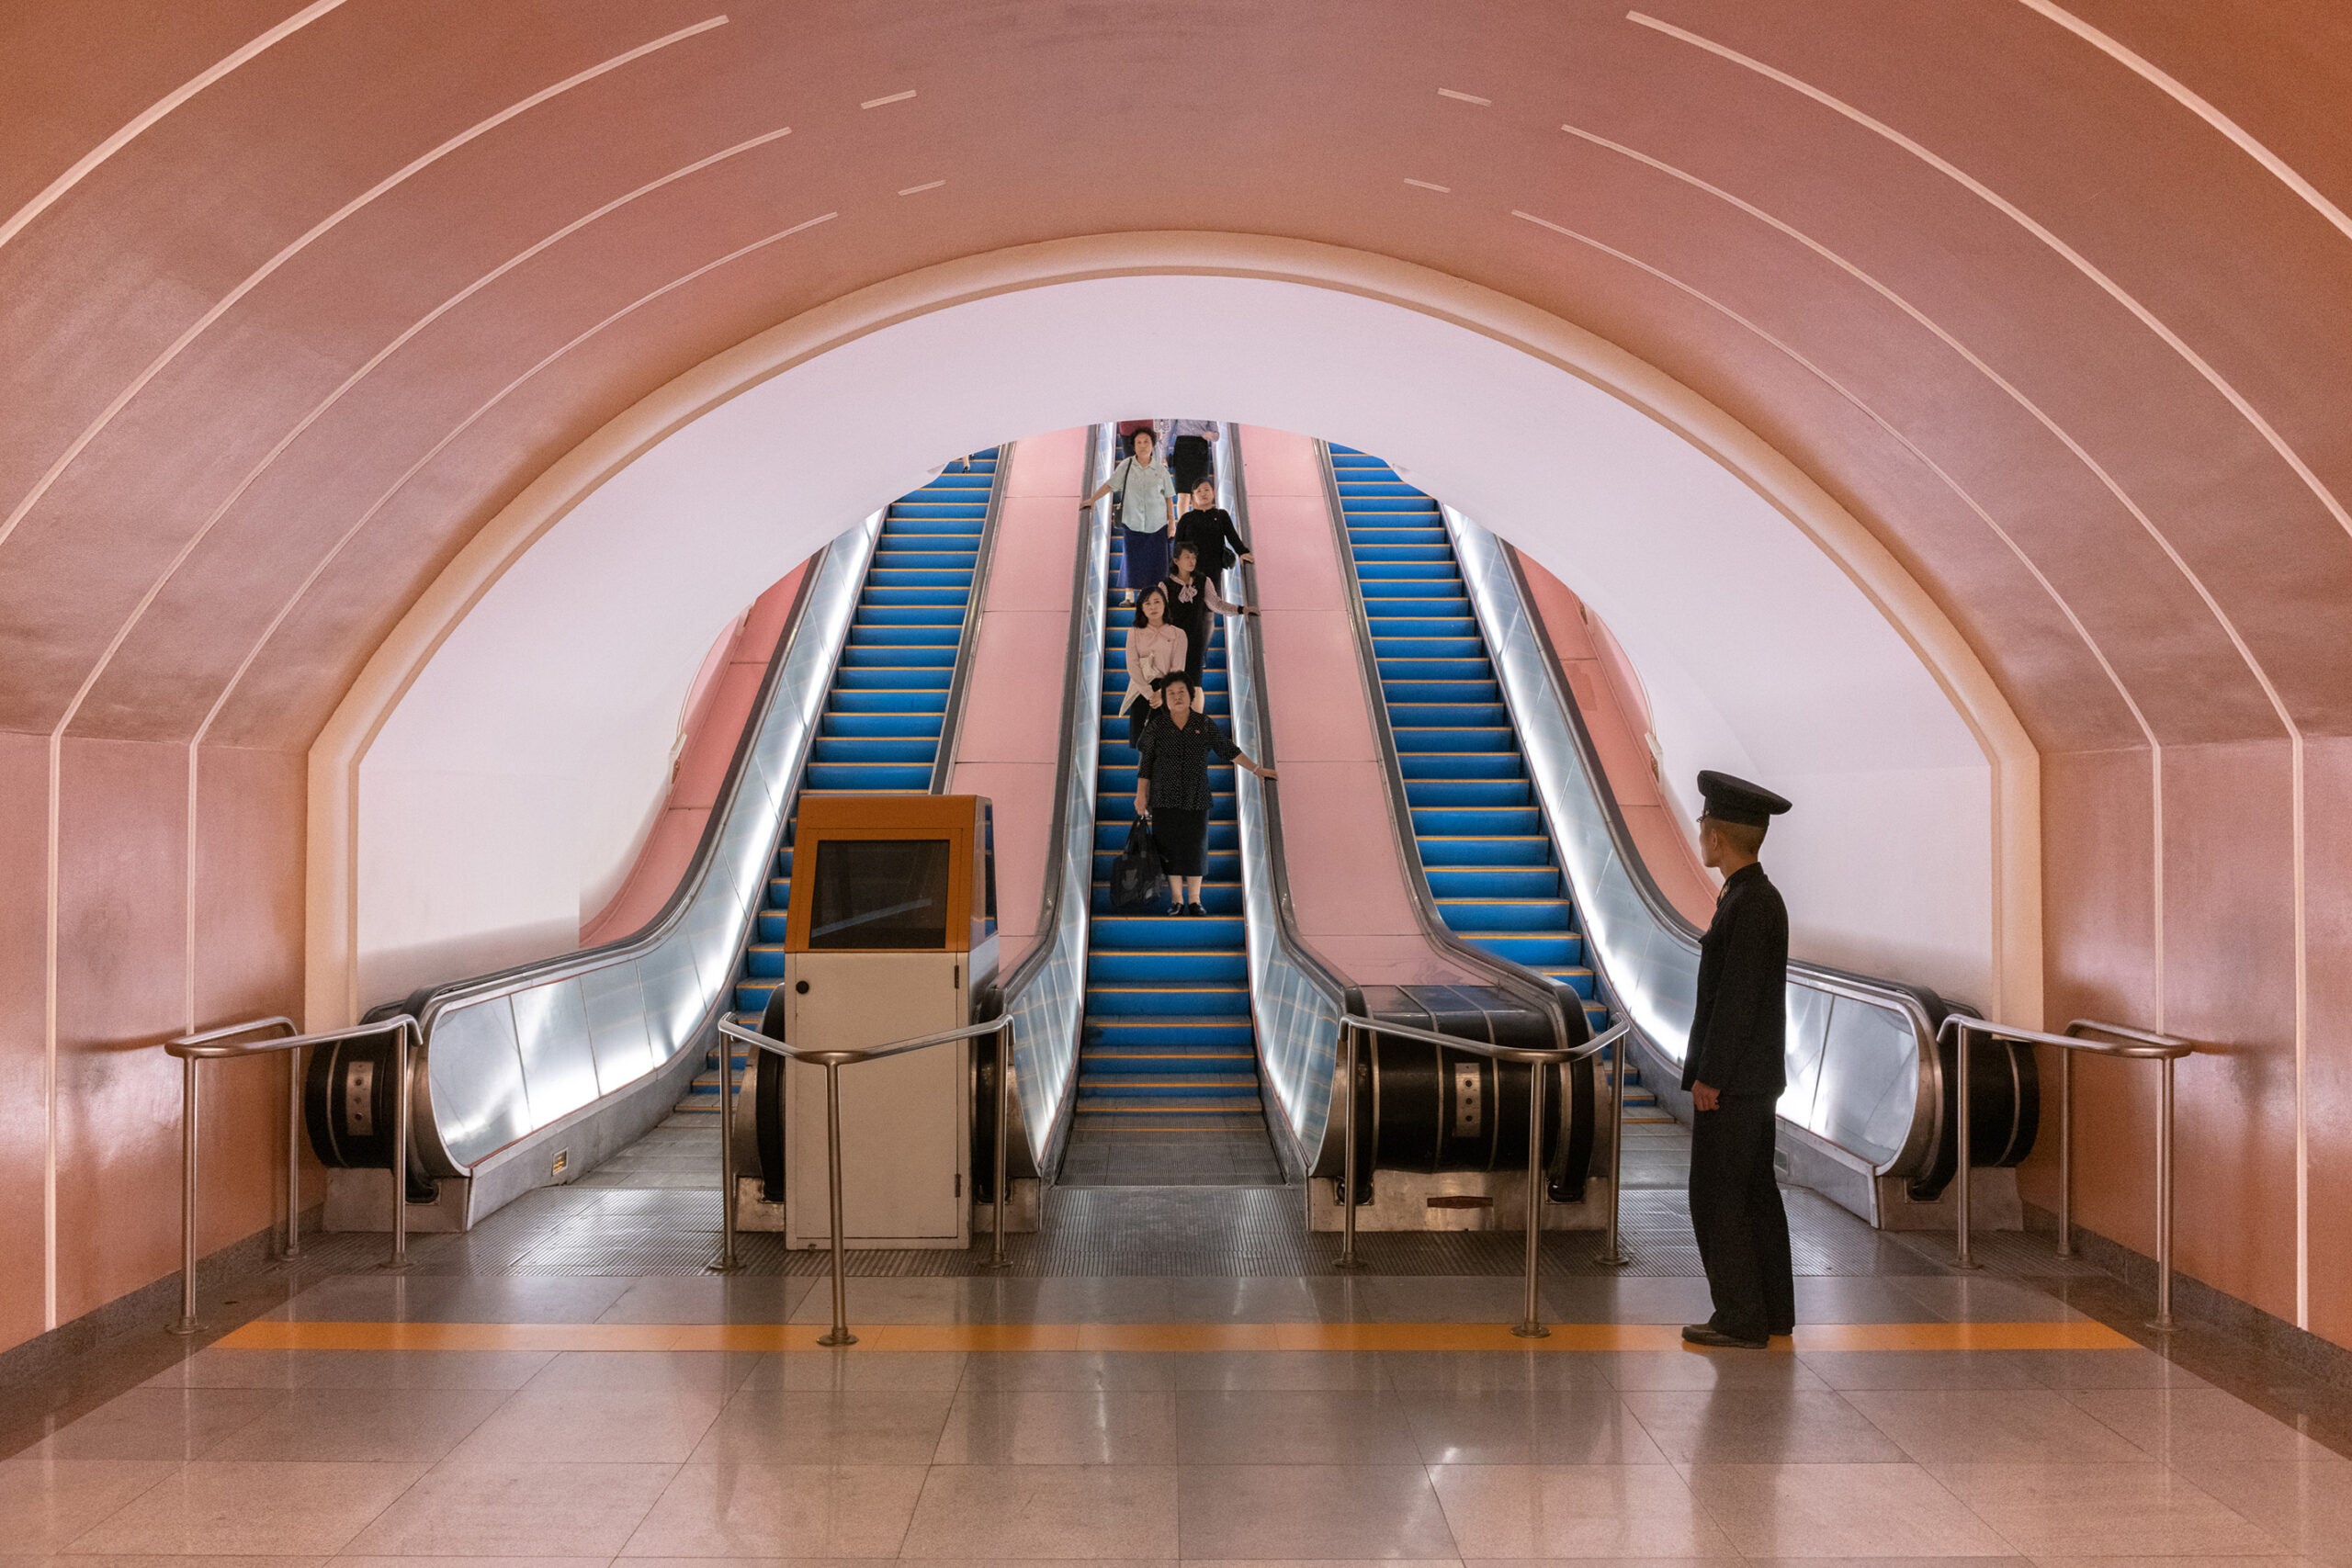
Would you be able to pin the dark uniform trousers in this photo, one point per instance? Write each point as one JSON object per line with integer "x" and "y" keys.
{"x": 1735, "y": 1210}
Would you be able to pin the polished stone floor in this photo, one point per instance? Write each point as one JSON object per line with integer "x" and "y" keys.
{"x": 584, "y": 1408}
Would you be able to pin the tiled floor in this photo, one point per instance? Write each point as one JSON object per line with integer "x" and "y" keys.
{"x": 540, "y": 1410}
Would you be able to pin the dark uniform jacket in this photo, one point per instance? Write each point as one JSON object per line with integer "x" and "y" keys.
{"x": 1740, "y": 1028}
{"x": 1177, "y": 760}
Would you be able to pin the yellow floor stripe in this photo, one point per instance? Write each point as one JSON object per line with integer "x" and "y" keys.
{"x": 270, "y": 1335}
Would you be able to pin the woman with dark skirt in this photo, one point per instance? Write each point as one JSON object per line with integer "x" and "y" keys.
{"x": 1190, "y": 600}
{"x": 1210, "y": 528}
{"x": 1172, "y": 791}
{"x": 1189, "y": 445}
{"x": 1147, "y": 514}
{"x": 1154, "y": 649}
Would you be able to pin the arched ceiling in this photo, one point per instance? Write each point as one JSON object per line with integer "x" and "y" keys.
{"x": 293, "y": 298}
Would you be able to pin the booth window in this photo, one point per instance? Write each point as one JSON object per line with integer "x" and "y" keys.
{"x": 881, "y": 892}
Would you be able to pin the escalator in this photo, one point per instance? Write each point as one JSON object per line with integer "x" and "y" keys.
{"x": 1166, "y": 1054}
{"x": 885, "y": 716}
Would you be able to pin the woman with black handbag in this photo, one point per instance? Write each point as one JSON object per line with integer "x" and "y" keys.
{"x": 1177, "y": 741}
{"x": 1146, "y": 514}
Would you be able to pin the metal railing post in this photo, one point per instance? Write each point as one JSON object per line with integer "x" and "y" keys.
{"x": 1347, "y": 1258}
{"x": 2164, "y": 1201}
{"x": 727, "y": 1261}
{"x": 1003, "y": 1116}
{"x": 840, "y": 1334}
{"x": 189, "y": 1134}
{"x": 2065, "y": 1154}
{"x": 1963, "y": 1149}
{"x": 403, "y": 1062}
{"x": 294, "y": 1153}
{"x": 1612, "y": 1254}
{"x": 1531, "y": 1326}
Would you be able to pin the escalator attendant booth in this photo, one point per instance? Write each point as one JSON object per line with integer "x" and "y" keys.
{"x": 889, "y": 934}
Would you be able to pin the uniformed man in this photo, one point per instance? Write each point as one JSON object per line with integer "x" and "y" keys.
{"x": 1735, "y": 1071}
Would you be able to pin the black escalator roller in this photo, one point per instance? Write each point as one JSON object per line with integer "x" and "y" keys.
{"x": 2003, "y": 1111}
{"x": 348, "y": 1105}
{"x": 764, "y": 1072}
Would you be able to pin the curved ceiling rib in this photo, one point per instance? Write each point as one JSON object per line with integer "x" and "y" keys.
{"x": 89, "y": 161}
{"x": 458, "y": 429}
{"x": 323, "y": 226}
{"x": 2025, "y": 221}
{"x": 2196, "y": 103}
{"x": 318, "y": 410}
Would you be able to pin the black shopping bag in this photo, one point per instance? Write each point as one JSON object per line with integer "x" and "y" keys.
{"x": 1139, "y": 885}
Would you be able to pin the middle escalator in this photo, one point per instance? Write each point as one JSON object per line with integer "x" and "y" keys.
{"x": 1168, "y": 1090}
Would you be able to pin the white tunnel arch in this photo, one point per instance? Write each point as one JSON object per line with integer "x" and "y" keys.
{"x": 523, "y": 709}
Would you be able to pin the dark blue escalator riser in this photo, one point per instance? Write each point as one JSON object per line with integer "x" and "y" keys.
{"x": 884, "y": 726}
{"x": 939, "y": 637}
{"x": 1224, "y": 838}
{"x": 1527, "y": 948}
{"x": 1540, "y": 915}
{"x": 925, "y": 616}
{"x": 885, "y": 776}
{"x": 1455, "y": 740}
{"x": 1429, "y": 647}
{"x": 1149, "y": 933}
{"x": 866, "y": 676}
{"x": 1478, "y": 822}
{"x": 1462, "y": 767}
{"x": 1445, "y": 716}
{"x": 1492, "y": 881}
{"x": 886, "y": 701}
{"x": 1204, "y": 1033}
{"x": 1517, "y": 854}
{"x": 1216, "y": 897}
{"x": 871, "y": 749}
{"x": 919, "y": 663}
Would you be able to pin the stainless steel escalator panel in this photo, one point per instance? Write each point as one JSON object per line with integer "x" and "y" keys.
{"x": 481, "y": 1100}
{"x": 551, "y": 1039}
{"x": 618, "y": 1032}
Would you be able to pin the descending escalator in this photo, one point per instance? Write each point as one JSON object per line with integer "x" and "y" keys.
{"x": 1167, "y": 1053}
{"x": 883, "y": 716}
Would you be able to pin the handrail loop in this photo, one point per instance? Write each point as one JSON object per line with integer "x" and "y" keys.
{"x": 2122, "y": 1042}
{"x": 833, "y": 1060}
{"x": 213, "y": 1044}
{"x": 1352, "y": 1025}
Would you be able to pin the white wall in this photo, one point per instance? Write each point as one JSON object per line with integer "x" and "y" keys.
{"x": 1761, "y": 656}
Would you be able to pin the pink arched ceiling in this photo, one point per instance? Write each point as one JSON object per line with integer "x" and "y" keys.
{"x": 2058, "y": 301}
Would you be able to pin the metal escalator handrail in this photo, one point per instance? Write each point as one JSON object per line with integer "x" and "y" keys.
{"x": 1515, "y": 978}
{"x": 1053, "y": 929}
{"x": 430, "y": 1003}
{"x": 222, "y": 1044}
{"x": 1269, "y": 790}
{"x": 951, "y": 724}
{"x": 1922, "y": 1011}
{"x": 1912, "y": 999}
{"x": 1246, "y": 657}
{"x": 834, "y": 1058}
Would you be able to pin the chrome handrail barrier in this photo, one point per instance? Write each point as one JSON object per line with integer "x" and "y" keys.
{"x": 2122, "y": 1042}
{"x": 1530, "y": 1325}
{"x": 1296, "y": 995}
{"x": 1643, "y": 951}
{"x": 951, "y": 725}
{"x": 611, "y": 1015}
{"x": 214, "y": 1045}
{"x": 834, "y": 1061}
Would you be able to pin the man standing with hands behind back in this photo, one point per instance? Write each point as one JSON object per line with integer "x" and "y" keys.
{"x": 1736, "y": 1068}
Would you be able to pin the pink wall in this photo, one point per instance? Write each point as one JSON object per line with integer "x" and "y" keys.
{"x": 717, "y": 710}
{"x": 1011, "y": 739}
{"x": 1609, "y": 694}
{"x": 130, "y": 973}
{"x": 1349, "y": 884}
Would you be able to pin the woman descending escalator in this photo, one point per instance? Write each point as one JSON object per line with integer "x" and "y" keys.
{"x": 1154, "y": 649}
{"x": 1191, "y": 596}
{"x": 1145, "y": 513}
{"x": 1172, "y": 790}
{"x": 1210, "y": 529}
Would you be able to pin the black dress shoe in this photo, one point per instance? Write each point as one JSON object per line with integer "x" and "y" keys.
{"x": 1715, "y": 1338}
{"x": 1194, "y": 910}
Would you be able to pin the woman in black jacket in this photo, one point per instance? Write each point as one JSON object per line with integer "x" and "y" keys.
{"x": 1173, "y": 792}
{"x": 1210, "y": 528}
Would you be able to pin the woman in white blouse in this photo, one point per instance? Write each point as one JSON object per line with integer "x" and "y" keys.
{"x": 1154, "y": 649}
{"x": 1147, "y": 514}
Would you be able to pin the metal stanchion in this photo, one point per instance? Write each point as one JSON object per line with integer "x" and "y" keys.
{"x": 294, "y": 1153}
{"x": 1613, "y": 1255}
{"x": 726, "y": 1263}
{"x": 403, "y": 1061}
{"x": 1531, "y": 1326}
{"x": 840, "y": 1334}
{"x": 2164, "y": 1202}
{"x": 1347, "y": 1258}
{"x": 2066, "y": 1153}
{"x": 1003, "y": 1116}
{"x": 189, "y": 1135}
{"x": 1963, "y": 1147}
